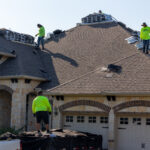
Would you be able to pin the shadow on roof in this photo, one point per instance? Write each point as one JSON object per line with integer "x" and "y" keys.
{"x": 63, "y": 57}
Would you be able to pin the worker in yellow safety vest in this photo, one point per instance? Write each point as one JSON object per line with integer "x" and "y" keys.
{"x": 145, "y": 37}
{"x": 41, "y": 36}
{"x": 41, "y": 109}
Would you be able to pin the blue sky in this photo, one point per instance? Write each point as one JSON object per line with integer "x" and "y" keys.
{"x": 23, "y": 15}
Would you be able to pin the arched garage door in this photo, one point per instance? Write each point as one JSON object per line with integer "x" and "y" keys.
{"x": 96, "y": 124}
{"x": 133, "y": 125}
{"x": 133, "y": 132}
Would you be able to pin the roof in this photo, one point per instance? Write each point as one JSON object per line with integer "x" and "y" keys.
{"x": 84, "y": 49}
{"x": 6, "y": 52}
{"x": 26, "y": 64}
{"x": 134, "y": 78}
{"x": 71, "y": 62}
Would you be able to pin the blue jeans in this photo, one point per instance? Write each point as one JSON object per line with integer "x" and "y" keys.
{"x": 40, "y": 40}
{"x": 145, "y": 46}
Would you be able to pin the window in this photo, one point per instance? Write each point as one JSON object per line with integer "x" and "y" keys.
{"x": 147, "y": 121}
{"x": 69, "y": 118}
{"x": 123, "y": 120}
{"x": 27, "y": 81}
{"x": 61, "y": 97}
{"x": 14, "y": 80}
{"x": 104, "y": 120}
{"x": 89, "y": 19}
{"x": 92, "y": 119}
{"x": 80, "y": 119}
{"x": 111, "y": 98}
{"x": 137, "y": 121}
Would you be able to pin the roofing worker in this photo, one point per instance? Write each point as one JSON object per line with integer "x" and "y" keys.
{"x": 41, "y": 35}
{"x": 41, "y": 108}
{"x": 145, "y": 36}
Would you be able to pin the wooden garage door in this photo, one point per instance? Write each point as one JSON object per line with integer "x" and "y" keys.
{"x": 91, "y": 124}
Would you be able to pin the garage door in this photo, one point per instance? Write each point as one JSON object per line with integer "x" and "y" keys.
{"x": 91, "y": 124}
{"x": 133, "y": 133}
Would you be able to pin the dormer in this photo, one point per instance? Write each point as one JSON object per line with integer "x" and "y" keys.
{"x": 97, "y": 18}
{"x": 17, "y": 37}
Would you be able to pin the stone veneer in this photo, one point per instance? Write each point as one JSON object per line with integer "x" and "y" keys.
{"x": 18, "y": 101}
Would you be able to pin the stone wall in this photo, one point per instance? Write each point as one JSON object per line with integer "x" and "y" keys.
{"x": 31, "y": 119}
{"x": 5, "y": 108}
{"x": 19, "y": 97}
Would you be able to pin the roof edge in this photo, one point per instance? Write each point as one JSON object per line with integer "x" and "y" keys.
{"x": 86, "y": 24}
{"x": 101, "y": 93}
{"x": 23, "y": 77}
{"x": 7, "y": 54}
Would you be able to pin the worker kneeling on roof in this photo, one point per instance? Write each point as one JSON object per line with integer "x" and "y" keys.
{"x": 145, "y": 36}
{"x": 41, "y": 108}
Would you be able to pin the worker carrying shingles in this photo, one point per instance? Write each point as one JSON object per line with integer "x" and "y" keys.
{"x": 41, "y": 36}
{"x": 41, "y": 109}
{"x": 145, "y": 37}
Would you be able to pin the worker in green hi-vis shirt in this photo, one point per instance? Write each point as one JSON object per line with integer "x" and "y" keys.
{"x": 145, "y": 37}
{"x": 41, "y": 36}
{"x": 41, "y": 109}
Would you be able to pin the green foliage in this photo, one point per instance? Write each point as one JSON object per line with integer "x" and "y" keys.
{"x": 11, "y": 130}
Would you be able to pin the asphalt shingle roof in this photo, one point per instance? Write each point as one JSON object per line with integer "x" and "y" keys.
{"x": 26, "y": 63}
{"x": 73, "y": 60}
{"x": 82, "y": 50}
{"x": 134, "y": 78}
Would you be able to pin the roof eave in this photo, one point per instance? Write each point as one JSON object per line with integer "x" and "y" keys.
{"x": 101, "y": 93}
{"x": 23, "y": 77}
{"x": 7, "y": 54}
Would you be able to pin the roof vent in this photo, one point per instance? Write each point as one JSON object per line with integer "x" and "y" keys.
{"x": 114, "y": 68}
{"x": 13, "y": 52}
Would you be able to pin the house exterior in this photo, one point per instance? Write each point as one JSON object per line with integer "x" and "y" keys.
{"x": 85, "y": 94}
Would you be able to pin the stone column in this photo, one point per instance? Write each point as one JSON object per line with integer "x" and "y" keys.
{"x": 57, "y": 114}
{"x": 111, "y": 133}
{"x": 18, "y": 109}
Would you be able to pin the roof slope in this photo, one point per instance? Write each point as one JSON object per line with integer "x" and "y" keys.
{"x": 84, "y": 49}
{"x": 134, "y": 78}
{"x": 26, "y": 63}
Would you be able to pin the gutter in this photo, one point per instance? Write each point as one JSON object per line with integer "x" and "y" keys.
{"x": 23, "y": 77}
{"x": 101, "y": 93}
